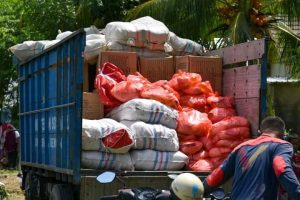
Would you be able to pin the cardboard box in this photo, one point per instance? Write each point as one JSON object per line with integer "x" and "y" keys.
{"x": 210, "y": 68}
{"x": 126, "y": 61}
{"x": 155, "y": 69}
{"x": 181, "y": 63}
{"x": 91, "y": 106}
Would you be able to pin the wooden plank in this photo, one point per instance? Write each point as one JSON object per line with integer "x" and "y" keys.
{"x": 242, "y": 82}
{"x": 241, "y": 52}
{"x": 249, "y": 108}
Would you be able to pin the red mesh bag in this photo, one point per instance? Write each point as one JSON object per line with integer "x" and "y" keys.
{"x": 218, "y": 114}
{"x": 191, "y": 121}
{"x": 202, "y": 165}
{"x": 163, "y": 93}
{"x": 183, "y": 80}
{"x": 220, "y": 102}
{"x": 227, "y": 123}
{"x": 129, "y": 89}
{"x": 219, "y": 152}
{"x": 190, "y": 147}
{"x": 197, "y": 102}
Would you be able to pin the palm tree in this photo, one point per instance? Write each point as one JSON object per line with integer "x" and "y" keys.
{"x": 233, "y": 21}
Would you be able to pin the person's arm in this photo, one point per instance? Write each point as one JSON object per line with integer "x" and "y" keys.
{"x": 284, "y": 171}
{"x": 220, "y": 174}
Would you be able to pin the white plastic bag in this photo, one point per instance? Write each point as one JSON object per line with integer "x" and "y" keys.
{"x": 153, "y": 136}
{"x": 94, "y": 132}
{"x": 158, "y": 160}
{"x": 107, "y": 161}
{"x": 146, "y": 110}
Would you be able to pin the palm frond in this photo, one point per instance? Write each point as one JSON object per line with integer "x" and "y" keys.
{"x": 189, "y": 18}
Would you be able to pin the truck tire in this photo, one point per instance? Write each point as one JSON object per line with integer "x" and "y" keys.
{"x": 61, "y": 192}
{"x": 30, "y": 189}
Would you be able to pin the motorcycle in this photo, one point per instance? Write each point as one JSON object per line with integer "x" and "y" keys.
{"x": 147, "y": 193}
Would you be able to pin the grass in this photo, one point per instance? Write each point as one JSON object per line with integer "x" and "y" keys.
{"x": 12, "y": 184}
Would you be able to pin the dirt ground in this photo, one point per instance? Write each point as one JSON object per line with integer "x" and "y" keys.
{"x": 12, "y": 185}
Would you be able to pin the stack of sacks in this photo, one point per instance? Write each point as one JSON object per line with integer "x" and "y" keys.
{"x": 155, "y": 140}
{"x": 198, "y": 111}
{"x": 105, "y": 145}
{"x": 145, "y": 36}
{"x": 206, "y": 122}
{"x": 223, "y": 137}
{"x": 94, "y": 42}
{"x": 148, "y": 38}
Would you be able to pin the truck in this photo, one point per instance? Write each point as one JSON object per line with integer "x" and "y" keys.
{"x": 50, "y": 117}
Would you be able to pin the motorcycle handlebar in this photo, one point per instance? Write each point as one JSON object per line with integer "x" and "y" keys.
{"x": 111, "y": 197}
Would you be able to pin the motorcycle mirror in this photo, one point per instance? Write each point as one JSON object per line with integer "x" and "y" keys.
{"x": 172, "y": 176}
{"x": 106, "y": 177}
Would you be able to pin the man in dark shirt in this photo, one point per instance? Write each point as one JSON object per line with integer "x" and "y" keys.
{"x": 259, "y": 166}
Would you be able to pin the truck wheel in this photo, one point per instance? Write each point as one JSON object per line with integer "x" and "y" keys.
{"x": 61, "y": 192}
{"x": 30, "y": 189}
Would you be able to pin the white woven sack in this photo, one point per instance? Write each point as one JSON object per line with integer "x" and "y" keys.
{"x": 93, "y": 46}
{"x": 185, "y": 46}
{"x": 153, "y": 136}
{"x": 94, "y": 130}
{"x": 29, "y": 49}
{"x": 107, "y": 161}
{"x": 142, "y": 52}
{"x": 158, "y": 160}
{"x": 146, "y": 110}
{"x": 143, "y": 32}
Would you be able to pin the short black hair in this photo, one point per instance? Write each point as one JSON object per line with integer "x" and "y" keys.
{"x": 272, "y": 123}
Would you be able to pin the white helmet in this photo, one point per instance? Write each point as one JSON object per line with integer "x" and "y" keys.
{"x": 187, "y": 186}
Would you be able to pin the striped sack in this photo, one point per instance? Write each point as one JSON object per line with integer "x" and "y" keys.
{"x": 102, "y": 160}
{"x": 153, "y": 136}
{"x": 146, "y": 110}
{"x": 95, "y": 133}
{"x": 158, "y": 160}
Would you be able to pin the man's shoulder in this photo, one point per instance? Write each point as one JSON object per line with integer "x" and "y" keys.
{"x": 260, "y": 140}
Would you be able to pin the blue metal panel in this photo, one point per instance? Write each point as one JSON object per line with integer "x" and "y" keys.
{"x": 50, "y": 107}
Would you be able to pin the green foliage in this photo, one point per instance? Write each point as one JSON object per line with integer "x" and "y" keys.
{"x": 101, "y": 12}
{"x": 9, "y": 35}
{"x": 41, "y": 19}
{"x": 3, "y": 192}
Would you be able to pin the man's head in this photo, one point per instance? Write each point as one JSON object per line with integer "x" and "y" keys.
{"x": 273, "y": 125}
